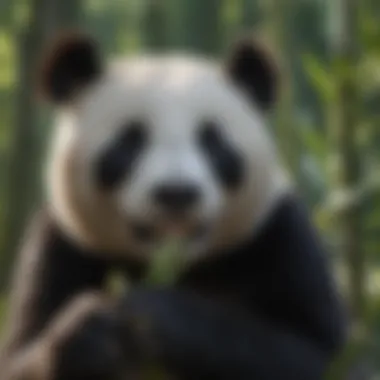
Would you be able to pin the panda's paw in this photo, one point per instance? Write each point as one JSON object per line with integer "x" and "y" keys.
{"x": 86, "y": 341}
{"x": 153, "y": 319}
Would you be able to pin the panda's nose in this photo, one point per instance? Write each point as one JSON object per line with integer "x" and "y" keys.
{"x": 176, "y": 197}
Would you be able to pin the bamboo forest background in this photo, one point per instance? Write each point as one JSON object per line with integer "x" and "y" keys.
{"x": 327, "y": 123}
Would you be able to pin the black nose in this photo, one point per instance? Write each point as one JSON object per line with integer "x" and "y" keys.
{"x": 176, "y": 198}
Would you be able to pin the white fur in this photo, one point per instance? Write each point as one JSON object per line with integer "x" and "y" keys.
{"x": 172, "y": 94}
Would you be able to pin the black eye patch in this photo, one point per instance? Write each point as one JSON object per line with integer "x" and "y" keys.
{"x": 116, "y": 162}
{"x": 225, "y": 160}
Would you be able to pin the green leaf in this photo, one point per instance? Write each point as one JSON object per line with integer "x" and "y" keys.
{"x": 316, "y": 144}
{"x": 166, "y": 263}
{"x": 320, "y": 78}
{"x": 7, "y": 58}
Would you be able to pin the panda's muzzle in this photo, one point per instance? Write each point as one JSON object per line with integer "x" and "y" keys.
{"x": 144, "y": 232}
{"x": 149, "y": 233}
{"x": 176, "y": 199}
{"x": 176, "y": 205}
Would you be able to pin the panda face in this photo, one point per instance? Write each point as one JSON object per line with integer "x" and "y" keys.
{"x": 160, "y": 146}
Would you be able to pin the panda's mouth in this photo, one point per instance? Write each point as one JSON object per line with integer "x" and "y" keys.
{"x": 149, "y": 233}
{"x": 143, "y": 232}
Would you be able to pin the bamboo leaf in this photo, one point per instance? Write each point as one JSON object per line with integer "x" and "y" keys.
{"x": 320, "y": 78}
{"x": 166, "y": 262}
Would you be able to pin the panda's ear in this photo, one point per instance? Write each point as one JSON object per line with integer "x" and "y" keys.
{"x": 70, "y": 63}
{"x": 252, "y": 68}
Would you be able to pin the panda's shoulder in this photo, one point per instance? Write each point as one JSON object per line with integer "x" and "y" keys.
{"x": 287, "y": 231}
{"x": 44, "y": 238}
{"x": 286, "y": 236}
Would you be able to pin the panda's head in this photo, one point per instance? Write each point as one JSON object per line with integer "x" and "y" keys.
{"x": 150, "y": 146}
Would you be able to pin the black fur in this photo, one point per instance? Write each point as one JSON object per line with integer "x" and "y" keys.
{"x": 50, "y": 272}
{"x": 93, "y": 352}
{"x": 72, "y": 63}
{"x": 251, "y": 67}
{"x": 116, "y": 162}
{"x": 264, "y": 310}
{"x": 226, "y": 162}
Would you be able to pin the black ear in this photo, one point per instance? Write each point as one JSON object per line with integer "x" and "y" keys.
{"x": 252, "y": 68}
{"x": 71, "y": 62}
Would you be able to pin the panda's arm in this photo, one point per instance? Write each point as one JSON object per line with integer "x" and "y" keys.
{"x": 199, "y": 339}
{"x": 49, "y": 274}
{"x": 292, "y": 325}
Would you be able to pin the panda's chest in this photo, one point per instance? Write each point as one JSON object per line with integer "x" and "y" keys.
{"x": 232, "y": 279}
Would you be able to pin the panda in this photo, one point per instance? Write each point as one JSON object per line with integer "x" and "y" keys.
{"x": 152, "y": 145}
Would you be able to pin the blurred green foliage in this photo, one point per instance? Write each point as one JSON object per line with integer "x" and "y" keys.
{"x": 326, "y": 125}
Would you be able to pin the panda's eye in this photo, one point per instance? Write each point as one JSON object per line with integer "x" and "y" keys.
{"x": 209, "y": 133}
{"x": 134, "y": 134}
{"x": 225, "y": 160}
{"x": 117, "y": 160}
